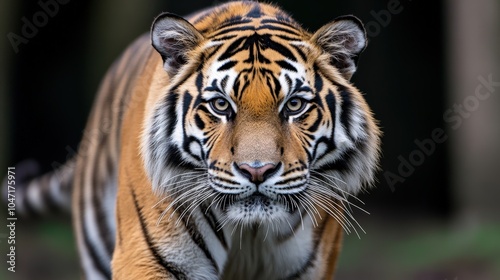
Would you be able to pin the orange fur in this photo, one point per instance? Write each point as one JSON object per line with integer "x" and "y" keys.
{"x": 253, "y": 127}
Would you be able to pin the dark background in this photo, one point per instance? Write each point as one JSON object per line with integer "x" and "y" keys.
{"x": 51, "y": 81}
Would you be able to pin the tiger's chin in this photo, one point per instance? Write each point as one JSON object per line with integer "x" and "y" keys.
{"x": 258, "y": 210}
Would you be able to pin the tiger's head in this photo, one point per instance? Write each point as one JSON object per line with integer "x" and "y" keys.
{"x": 258, "y": 118}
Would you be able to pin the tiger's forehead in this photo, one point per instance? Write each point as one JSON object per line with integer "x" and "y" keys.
{"x": 254, "y": 54}
{"x": 256, "y": 71}
{"x": 258, "y": 65}
{"x": 231, "y": 14}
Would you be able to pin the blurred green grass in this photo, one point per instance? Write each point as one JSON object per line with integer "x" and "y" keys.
{"x": 45, "y": 249}
{"x": 422, "y": 249}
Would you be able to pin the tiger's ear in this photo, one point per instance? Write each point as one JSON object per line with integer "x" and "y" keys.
{"x": 343, "y": 39}
{"x": 173, "y": 37}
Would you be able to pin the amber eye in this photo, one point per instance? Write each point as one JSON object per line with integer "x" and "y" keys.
{"x": 294, "y": 106}
{"x": 220, "y": 106}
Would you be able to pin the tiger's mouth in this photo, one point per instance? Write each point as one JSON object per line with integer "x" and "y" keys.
{"x": 257, "y": 197}
{"x": 258, "y": 208}
{"x": 254, "y": 200}
{"x": 257, "y": 200}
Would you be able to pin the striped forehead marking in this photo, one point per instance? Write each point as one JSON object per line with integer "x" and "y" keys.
{"x": 262, "y": 25}
{"x": 255, "y": 52}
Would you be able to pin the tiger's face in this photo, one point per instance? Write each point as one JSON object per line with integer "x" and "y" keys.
{"x": 264, "y": 111}
{"x": 261, "y": 117}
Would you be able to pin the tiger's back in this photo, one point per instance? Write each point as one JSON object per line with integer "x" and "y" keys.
{"x": 95, "y": 185}
{"x": 226, "y": 150}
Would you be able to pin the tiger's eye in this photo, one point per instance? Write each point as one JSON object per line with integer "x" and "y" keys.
{"x": 294, "y": 105}
{"x": 220, "y": 105}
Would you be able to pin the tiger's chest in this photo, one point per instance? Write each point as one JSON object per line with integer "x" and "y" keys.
{"x": 266, "y": 254}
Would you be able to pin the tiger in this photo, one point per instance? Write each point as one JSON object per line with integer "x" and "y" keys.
{"x": 222, "y": 145}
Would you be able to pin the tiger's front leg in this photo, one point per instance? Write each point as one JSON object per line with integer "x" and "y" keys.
{"x": 147, "y": 249}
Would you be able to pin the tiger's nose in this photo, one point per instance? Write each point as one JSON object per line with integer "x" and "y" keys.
{"x": 259, "y": 174}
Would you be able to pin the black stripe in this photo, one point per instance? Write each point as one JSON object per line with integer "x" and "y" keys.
{"x": 311, "y": 136}
{"x": 277, "y": 28}
{"x": 213, "y": 51}
{"x": 275, "y": 90}
{"x": 300, "y": 51}
{"x": 182, "y": 81}
{"x": 97, "y": 187}
{"x": 213, "y": 166}
{"x": 223, "y": 38}
{"x": 236, "y": 87}
{"x": 284, "y": 237}
{"x": 94, "y": 259}
{"x": 199, "y": 122}
{"x": 260, "y": 57}
{"x": 331, "y": 105}
{"x": 209, "y": 115}
{"x": 189, "y": 139}
{"x": 170, "y": 110}
{"x": 227, "y": 65}
{"x": 347, "y": 108}
{"x": 234, "y": 29}
{"x": 223, "y": 82}
{"x": 300, "y": 168}
{"x": 277, "y": 47}
{"x": 289, "y": 38}
{"x": 288, "y": 81}
{"x": 199, "y": 82}
{"x": 234, "y": 21}
{"x": 303, "y": 118}
{"x": 318, "y": 81}
{"x": 342, "y": 163}
{"x": 312, "y": 256}
{"x": 186, "y": 103}
{"x": 329, "y": 144}
{"x": 213, "y": 87}
{"x": 174, "y": 158}
{"x": 255, "y": 12}
{"x": 187, "y": 149}
{"x": 95, "y": 184}
{"x": 234, "y": 47}
{"x": 278, "y": 22}
{"x": 288, "y": 181}
{"x": 196, "y": 236}
{"x": 221, "y": 186}
{"x": 300, "y": 87}
{"x": 169, "y": 267}
{"x": 286, "y": 65}
{"x": 317, "y": 121}
{"x": 237, "y": 91}
{"x": 224, "y": 180}
{"x": 214, "y": 224}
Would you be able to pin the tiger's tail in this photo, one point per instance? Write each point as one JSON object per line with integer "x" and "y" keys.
{"x": 33, "y": 194}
